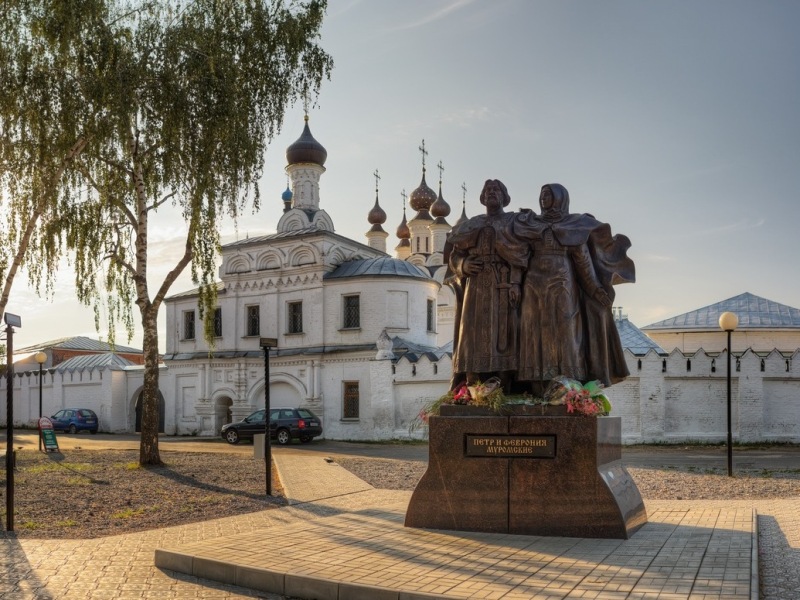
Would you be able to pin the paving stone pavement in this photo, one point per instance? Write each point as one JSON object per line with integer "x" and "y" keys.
{"x": 123, "y": 566}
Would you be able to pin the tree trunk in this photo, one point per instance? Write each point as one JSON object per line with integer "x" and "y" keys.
{"x": 148, "y": 448}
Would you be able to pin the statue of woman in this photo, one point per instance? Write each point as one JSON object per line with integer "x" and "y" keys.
{"x": 486, "y": 265}
{"x": 566, "y": 323}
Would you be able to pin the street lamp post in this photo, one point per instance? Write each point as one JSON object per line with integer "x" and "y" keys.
{"x": 266, "y": 344}
{"x": 40, "y": 357}
{"x": 728, "y": 322}
{"x": 11, "y": 321}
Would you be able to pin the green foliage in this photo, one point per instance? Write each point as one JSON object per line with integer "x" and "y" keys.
{"x": 112, "y": 109}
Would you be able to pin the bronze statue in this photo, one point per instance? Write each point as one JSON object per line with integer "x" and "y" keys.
{"x": 486, "y": 266}
{"x": 566, "y": 324}
{"x": 534, "y": 294}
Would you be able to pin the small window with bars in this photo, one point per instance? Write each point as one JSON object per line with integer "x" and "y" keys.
{"x": 431, "y": 315}
{"x": 294, "y": 317}
{"x": 352, "y": 312}
{"x": 188, "y": 325}
{"x": 253, "y": 326}
{"x": 350, "y": 400}
{"x": 217, "y": 322}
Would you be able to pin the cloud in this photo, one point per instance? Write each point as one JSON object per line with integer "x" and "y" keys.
{"x": 465, "y": 117}
{"x": 741, "y": 225}
{"x": 436, "y": 15}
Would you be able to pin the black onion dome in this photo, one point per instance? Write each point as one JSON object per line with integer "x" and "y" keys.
{"x": 440, "y": 208}
{"x": 463, "y": 218}
{"x": 423, "y": 197}
{"x": 403, "y": 232}
{"x": 306, "y": 149}
{"x": 376, "y": 216}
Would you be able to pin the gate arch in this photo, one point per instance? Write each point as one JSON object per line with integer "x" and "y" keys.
{"x": 137, "y": 411}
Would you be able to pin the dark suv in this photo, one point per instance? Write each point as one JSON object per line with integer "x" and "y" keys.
{"x": 285, "y": 424}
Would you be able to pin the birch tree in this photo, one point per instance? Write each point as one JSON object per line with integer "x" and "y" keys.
{"x": 43, "y": 128}
{"x": 182, "y": 99}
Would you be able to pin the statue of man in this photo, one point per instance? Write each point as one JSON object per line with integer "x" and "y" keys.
{"x": 486, "y": 265}
{"x": 566, "y": 323}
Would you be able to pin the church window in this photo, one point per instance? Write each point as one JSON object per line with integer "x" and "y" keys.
{"x": 188, "y": 325}
{"x": 350, "y": 400}
{"x": 253, "y": 320}
{"x": 417, "y": 245}
{"x": 431, "y": 320}
{"x": 352, "y": 312}
{"x": 295, "y": 318}
{"x": 217, "y": 322}
{"x": 426, "y": 246}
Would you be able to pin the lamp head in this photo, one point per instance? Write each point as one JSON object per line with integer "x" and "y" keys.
{"x": 728, "y": 321}
{"x": 40, "y": 357}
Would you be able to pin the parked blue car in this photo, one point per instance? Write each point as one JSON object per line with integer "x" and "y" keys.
{"x": 73, "y": 420}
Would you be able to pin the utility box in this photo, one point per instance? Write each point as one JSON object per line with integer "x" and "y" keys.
{"x": 258, "y": 446}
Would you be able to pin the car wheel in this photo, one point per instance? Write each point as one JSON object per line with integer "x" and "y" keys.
{"x": 284, "y": 437}
{"x": 72, "y": 429}
{"x": 304, "y": 439}
{"x": 93, "y": 431}
{"x": 232, "y": 436}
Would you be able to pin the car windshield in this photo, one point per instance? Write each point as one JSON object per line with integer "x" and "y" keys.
{"x": 306, "y": 414}
{"x": 256, "y": 416}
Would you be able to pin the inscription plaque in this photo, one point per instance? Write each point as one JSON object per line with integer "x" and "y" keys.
{"x": 507, "y": 446}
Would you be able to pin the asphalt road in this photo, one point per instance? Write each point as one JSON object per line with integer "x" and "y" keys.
{"x": 745, "y": 457}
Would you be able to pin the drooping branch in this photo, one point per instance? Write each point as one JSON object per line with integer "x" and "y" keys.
{"x": 39, "y": 205}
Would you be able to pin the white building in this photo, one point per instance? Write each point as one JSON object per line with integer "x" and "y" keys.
{"x": 342, "y": 312}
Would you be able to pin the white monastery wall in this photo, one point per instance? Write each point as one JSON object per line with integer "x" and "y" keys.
{"x": 677, "y": 398}
{"x": 682, "y": 398}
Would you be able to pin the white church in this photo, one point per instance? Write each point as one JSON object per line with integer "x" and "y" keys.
{"x": 342, "y": 312}
{"x": 364, "y": 339}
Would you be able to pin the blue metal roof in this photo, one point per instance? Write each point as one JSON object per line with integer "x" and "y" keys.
{"x": 94, "y": 361}
{"x": 634, "y": 339}
{"x": 380, "y": 267}
{"x": 753, "y": 311}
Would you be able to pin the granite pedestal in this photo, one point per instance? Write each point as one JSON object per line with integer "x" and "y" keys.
{"x": 547, "y": 474}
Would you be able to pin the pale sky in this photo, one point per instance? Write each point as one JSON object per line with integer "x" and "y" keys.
{"x": 676, "y": 121}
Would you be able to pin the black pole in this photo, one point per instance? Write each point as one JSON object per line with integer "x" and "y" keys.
{"x": 730, "y": 433}
{"x": 267, "y": 444}
{"x": 40, "y": 406}
{"x": 10, "y": 429}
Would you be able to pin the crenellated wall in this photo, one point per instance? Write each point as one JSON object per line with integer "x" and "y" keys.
{"x": 99, "y": 389}
{"x": 683, "y": 397}
{"x": 667, "y": 399}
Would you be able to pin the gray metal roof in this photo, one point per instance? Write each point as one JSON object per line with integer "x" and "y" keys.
{"x": 753, "y": 311}
{"x": 380, "y": 267}
{"x": 305, "y": 232}
{"x": 108, "y": 360}
{"x": 196, "y": 292}
{"x": 634, "y": 339}
{"x": 79, "y": 343}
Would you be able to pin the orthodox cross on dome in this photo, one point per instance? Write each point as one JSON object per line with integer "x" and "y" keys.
{"x": 464, "y": 194}
{"x": 424, "y": 154}
{"x": 377, "y": 179}
{"x": 440, "y": 166}
{"x": 404, "y": 196}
